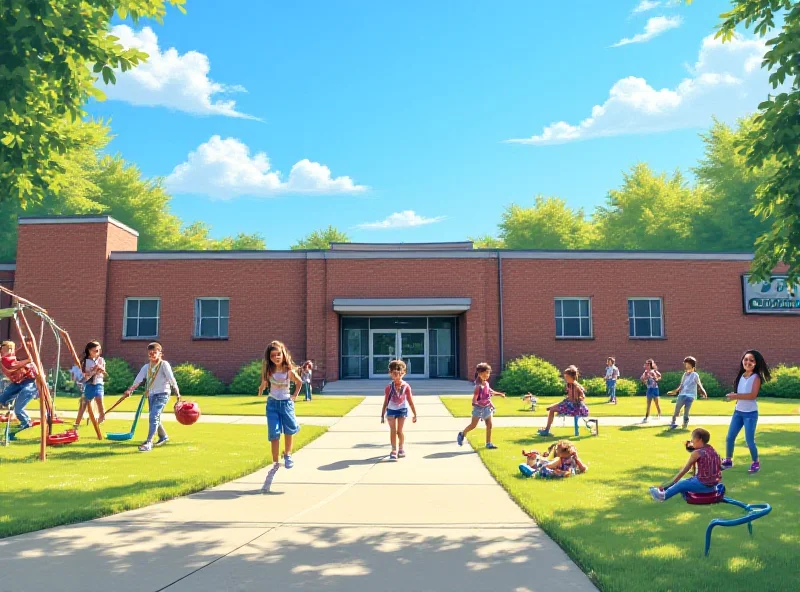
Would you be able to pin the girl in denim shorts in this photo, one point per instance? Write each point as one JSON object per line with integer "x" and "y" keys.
{"x": 482, "y": 408}
{"x": 278, "y": 371}
{"x": 650, "y": 378}
{"x": 93, "y": 367}
{"x": 397, "y": 399}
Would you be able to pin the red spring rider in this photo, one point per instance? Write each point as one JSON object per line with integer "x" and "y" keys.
{"x": 187, "y": 412}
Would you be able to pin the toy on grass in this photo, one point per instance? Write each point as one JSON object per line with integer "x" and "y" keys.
{"x": 187, "y": 412}
{"x": 123, "y": 436}
{"x": 530, "y": 399}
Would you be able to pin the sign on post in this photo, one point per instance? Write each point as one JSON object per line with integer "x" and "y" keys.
{"x": 772, "y": 297}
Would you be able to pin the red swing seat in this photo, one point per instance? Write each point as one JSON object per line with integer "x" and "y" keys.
{"x": 703, "y": 499}
{"x": 62, "y": 438}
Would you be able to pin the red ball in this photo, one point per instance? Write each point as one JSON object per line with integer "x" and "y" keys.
{"x": 187, "y": 412}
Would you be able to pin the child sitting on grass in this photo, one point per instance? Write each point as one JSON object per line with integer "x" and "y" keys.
{"x": 705, "y": 464}
{"x": 565, "y": 464}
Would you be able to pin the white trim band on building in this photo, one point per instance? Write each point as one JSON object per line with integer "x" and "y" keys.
{"x": 401, "y": 305}
{"x": 76, "y": 220}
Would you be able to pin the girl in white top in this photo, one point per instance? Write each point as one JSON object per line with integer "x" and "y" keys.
{"x": 753, "y": 372}
{"x": 93, "y": 368}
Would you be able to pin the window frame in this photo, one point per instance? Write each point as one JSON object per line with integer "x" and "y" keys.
{"x": 661, "y": 318}
{"x": 125, "y": 319}
{"x": 556, "y": 318}
{"x": 198, "y": 319}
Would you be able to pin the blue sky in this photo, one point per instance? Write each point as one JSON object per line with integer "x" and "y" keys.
{"x": 411, "y": 107}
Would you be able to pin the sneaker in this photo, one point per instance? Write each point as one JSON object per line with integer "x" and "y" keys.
{"x": 401, "y": 453}
{"x": 270, "y": 477}
{"x": 287, "y": 461}
{"x": 491, "y": 446}
{"x": 544, "y": 432}
{"x": 393, "y": 455}
{"x": 161, "y": 441}
{"x": 146, "y": 447}
{"x": 673, "y": 426}
{"x": 755, "y": 467}
{"x": 645, "y": 420}
{"x": 685, "y": 424}
{"x": 658, "y": 494}
{"x": 460, "y": 438}
{"x": 726, "y": 464}
{"x": 658, "y": 417}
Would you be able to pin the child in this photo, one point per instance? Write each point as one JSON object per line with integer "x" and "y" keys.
{"x": 397, "y": 398}
{"x": 566, "y": 462}
{"x": 93, "y": 368}
{"x": 612, "y": 374}
{"x": 688, "y": 392}
{"x": 305, "y": 375}
{"x": 158, "y": 380}
{"x": 22, "y": 376}
{"x": 482, "y": 408}
{"x": 704, "y": 462}
{"x": 572, "y": 405}
{"x": 278, "y": 371}
{"x": 753, "y": 372}
{"x": 650, "y": 377}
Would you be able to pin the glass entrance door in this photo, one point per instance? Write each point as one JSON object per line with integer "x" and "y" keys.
{"x": 409, "y": 345}
{"x": 382, "y": 350}
{"x": 412, "y": 352}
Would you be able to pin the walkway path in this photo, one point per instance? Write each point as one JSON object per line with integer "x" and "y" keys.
{"x": 344, "y": 518}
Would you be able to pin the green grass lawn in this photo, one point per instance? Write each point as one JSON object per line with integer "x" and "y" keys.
{"x": 608, "y": 523}
{"x": 92, "y": 478}
{"x": 626, "y": 406}
{"x": 320, "y": 406}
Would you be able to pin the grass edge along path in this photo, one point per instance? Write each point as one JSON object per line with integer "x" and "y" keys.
{"x": 94, "y": 478}
{"x": 626, "y": 406}
{"x": 607, "y": 523}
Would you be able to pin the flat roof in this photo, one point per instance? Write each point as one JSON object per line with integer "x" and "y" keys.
{"x": 89, "y": 219}
{"x": 401, "y": 305}
{"x": 444, "y": 246}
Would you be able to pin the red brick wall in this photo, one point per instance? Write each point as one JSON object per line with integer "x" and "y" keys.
{"x": 702, "y": 309}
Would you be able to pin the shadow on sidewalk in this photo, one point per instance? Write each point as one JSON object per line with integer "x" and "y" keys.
{"x": 438, "y": 455}
{"x": 345, "y": 464}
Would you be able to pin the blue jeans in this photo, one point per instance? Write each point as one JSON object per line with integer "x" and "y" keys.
{"x": 692, "y": 484}
{"x": 611, "y": 389}
{"x": 280, "y": 418}
{"x": 748, "y": 421}
{"x": 685, "y": 402}
{"x": 307, "y": 389}
{"x": 157, "y": 402}
{"x": 24, "y": 393}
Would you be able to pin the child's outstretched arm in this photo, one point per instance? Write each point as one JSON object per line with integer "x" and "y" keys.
{"x": 582, "y": 468}
{"x": 688, "y": 466}
{"x": 498, "y": 393}
{"x": 678, "y": 388}
{"x": 411, "y": 404}
{"x": 137, "y": 381}
{"x": 703, "y": 392}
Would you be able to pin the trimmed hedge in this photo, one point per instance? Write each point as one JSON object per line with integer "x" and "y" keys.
{"x": 247, "y": 380}
{"x": 596, "y": 387}
{"x": 671, "y": 379}
{"x": 120, "y": 376}
{"x": 785, "y": 383}
{"x": 531, "y": 374}
{"x": 196, "y": 380}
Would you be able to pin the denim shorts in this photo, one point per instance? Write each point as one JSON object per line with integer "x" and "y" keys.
{"x": 652, "y": 393}
{"x": 397, "y": 412}
{"x": 280, "y": 418}
{"x": 90, "y": 391}
{"x": 482, "y": 412}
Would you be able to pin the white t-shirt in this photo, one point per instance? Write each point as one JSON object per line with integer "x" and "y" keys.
{"x": 746, "y": 386}
{"x": 97, "y": 378}
{"x": 689, "y": 388}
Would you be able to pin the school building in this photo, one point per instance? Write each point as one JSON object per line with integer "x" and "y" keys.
{"x": 442, "y": 307}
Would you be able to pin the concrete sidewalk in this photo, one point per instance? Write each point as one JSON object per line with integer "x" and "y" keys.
{"x": 344, "y": 518}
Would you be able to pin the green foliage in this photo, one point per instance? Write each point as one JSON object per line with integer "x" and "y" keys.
{"x": 321, "y": 239}
{"x": 775, "y": 134}
{"x": 670, "y": 381}
{"x": 549, "y": 224}
{"x": 65, "y": 386}
{"x": 785, "y": 383}
{"x": 53, "y": 52}
{"x": 194, "y": 380}
{"x": 247, "y": 380}
{"x": 487, "y": 242}
{"x": 530, "y": 374}
{"x": 596, "y": 387}
{"x": 120, "y": 376}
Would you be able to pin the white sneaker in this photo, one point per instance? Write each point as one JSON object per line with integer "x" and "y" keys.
{"x": 645, "y": 420}
{"x": 270, "y": 477}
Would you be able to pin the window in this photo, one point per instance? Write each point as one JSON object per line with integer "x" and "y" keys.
{"x": 573, "y": 318}
{"x": 211, "y": 317}
{"x": 141, "y": 318}
{"x": 645, "y": 318}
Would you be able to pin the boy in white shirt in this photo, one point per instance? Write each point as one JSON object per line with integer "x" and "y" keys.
{"x": 687, "y": 392}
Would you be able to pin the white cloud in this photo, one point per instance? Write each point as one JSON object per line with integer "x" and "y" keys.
{"x": 646, "y": 5}
{"x": 169, "y": 79}
{"x": 727, "y": 82}
{"x": 655, "y": 26}
{"x": 223, "y": 169}
{"x": 406, "y": 219}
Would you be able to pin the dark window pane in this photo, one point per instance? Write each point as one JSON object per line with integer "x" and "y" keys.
{"x": 641, "y": 308}
{"x": 133, "y": 308}
{"x": 433, "y": 342}
{"x": 445, "y": 366}
{"x": 559, "y": 328}
{"x": 148, "y": 328}
{"x": 631, "y": 328}
{"x": 352, "y": 367}
{"x": 558, "y": 308}
{"x": 148, "y": 308}
{"x": 585, "y": 332}
{"x": 444, "y": 342}
{"x": 656, "y": 326}
{"x": 630, "y": 308}
{"x": 412, "y": 344}
{"x": 570, "y": 308}
{"x": 355, "y": 323}
{"x": 441, "y": 323}
{"x": 415, "y": 365}
{"x": 380, "y": 364}
{"x": 642, "y": 327}
{"x": 209, "y": 308}
{"x": 398, "y": 323}
{"x": 223, "y": 327}
{"x": 209, "y": 328}
{"x": 131, "y": 328}
{"x": 384, "y": 344}
{"x": 584, "y": 308}
{"x": 572, "y": 328}
{"x": 655, "y": 308}
{"x": 223, "y": 308}
{"x": 352, "y": 342}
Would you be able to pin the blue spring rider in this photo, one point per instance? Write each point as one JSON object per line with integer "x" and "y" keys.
{"x": 754, "y": 511}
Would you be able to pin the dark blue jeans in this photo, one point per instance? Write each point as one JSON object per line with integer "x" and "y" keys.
{"x": 611, "y": 389}
{"x": 157, "y": 402}
{"x": 692, "y": 484}
{"x": 22, "y": 394}
{"x": 747, "y": 421}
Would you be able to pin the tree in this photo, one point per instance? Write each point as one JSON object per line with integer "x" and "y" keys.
{"x": 487, "y": 242}
{"x": 50, "y": 58}
{"x": 321, "y": 239}
{"x": 775, "y": 135}
{"x": 650, "y": 212}
{"x": 549, "y": 224}
{"x": 91, "y": 184}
